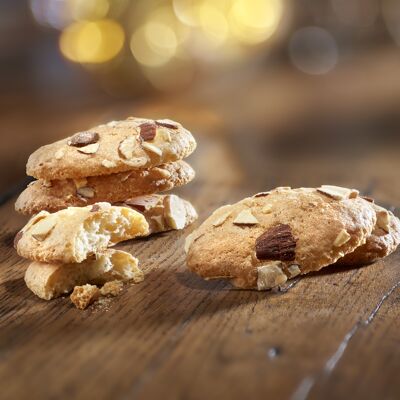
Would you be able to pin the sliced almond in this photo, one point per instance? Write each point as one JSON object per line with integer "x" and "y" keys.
{"x": 270, "y": 275}
{"x": 59, "y": 154}
{"x": 152, "y": 148}
{"x": 383, "y": 219}
{"x": 108, "y": 164}
{"x": 221, "y": 219}
{"x": 175, "y": 212}
{"x": 337, "y": 192}
{"x": 342, "y": 238}
{"x": 79, "y": 183}
{"x": 86, "y": 192}
{"x": 127, "y": 147}
{"x": 167, "y": 123}
{"x": 42, "y": 229}
{"x": 245, "y": 217}
{"x": 165, "y": 134}
{"x": 163, "y": 172}
{"x": 294, "y": 270}
{"x": 89, "y": 149}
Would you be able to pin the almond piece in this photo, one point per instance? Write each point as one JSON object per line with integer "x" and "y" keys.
{"x": 262, "y": 194}
{"x": 163, "y": 172}
{"x": 221, "y": 219}
{"x": 42, "y": 229}
{"x": 245, "y": 217}
{"x": 158, "y": 220}
{"x": 342, "y": 238}
{"x": 127, "y": 147}
{"x": 337, "y": 192}
{"x": 383, "y": 219}
{"x": 277, "y": 243}
{"x": 294, "y": 270}
{"x": 152, "y": 148}
{"x": 86, "y": 192}
{"x": 59, "y": 154}
{"x": 142, "y": 203}
{"x": 89, "y": 149}
{"x": 167, "y": 123}
{"x": 108, "y": 163}
{"x": 270, "y": 276}
{"x": 148, "y": 131}
{"x": 175, "y": 212}
{"x": 82, "y": 139}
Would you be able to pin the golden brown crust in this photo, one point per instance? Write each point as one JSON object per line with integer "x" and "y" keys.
{"x": 58, "y": 194}
{"x": 115, "y": 147}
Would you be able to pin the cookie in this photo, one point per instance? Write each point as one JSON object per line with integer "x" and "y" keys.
{"x": 118, "y": 146}
{"x": 383, "y": 240}
{"x": 163, "y": 212}
{"x": 50, "y": 280}
{"x": 74, "y": 234}
{"x": 263, "y": 240}
{"x": 58, "y": 194}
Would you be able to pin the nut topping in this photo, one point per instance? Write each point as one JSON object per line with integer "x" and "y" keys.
{"x": 342, "y": 238}
{"x": 245, "y": 217}
{"x": 221, "y": 219}
{"x": 262, "y": 194}
{"x": 83, "y": 139}
{"x": 175, "y": 212}
{"x": 383, "y": 219}
{"x": 270, "y": 275}
{"x": 127, "y": 147}
{"x": 108, "y": 163}
{"x": 89, "y": 149}
{"x": 276, "y": 243}
{"x": 337, "y": 192}
{"x": 153, "y": 149}
{"x": 86, "y": 192}
{"x": 43, "y": 228}
{"x": 148, "y": 131}
{"x": 142, "y": 203}
{"x": 166, "y": 123}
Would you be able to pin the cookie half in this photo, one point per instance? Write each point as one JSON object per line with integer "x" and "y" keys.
{"x": 58, "y": 194}
{"x": 118, "y": 146}
{"x": 74, "y": 234}
{"x": 49, "y": 280}
{"x": 383, "y": 240}
{"x": 163, "y": 212}
{"x": 263, "y": 240}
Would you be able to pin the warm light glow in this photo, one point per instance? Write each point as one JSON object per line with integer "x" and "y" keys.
{"x": 92, "y": 42}
{"x": 213, "y": 23}
{"x": 185, "y": 11}
{"x": 88, "y": 9}
{"x": 254, "y": 21}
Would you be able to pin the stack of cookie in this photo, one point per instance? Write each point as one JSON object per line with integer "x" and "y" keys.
{"x": 264, "y": 240}
{"x": 126, "y": 162}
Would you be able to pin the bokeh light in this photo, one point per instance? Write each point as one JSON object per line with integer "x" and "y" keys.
{"x": 313, "y": 50}
{"x": 92, "y": 42}
{"x": 254, "y": 21}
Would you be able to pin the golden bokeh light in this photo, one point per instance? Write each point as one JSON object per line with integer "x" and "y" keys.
{"x": 213, "y": 23}
{"x": 254, "y": 21}
{"x": 92, "y": 42}
{"x": 88, "y": 9}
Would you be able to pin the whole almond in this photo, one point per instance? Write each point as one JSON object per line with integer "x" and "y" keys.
{"x": 83, "y": 139}
{"x": 148, "y": 131}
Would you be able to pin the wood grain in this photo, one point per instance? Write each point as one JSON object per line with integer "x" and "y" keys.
{"x": 333, "y": 334}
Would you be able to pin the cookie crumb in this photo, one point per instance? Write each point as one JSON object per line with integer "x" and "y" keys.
{"x": 112, "y": 288}
{"x": 84, "y": 295}
{"x": 342, "y": 238}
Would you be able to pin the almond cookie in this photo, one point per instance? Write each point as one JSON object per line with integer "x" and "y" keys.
{"x": 48, "y": 280}
{"x": 383, "y": 240}
{"x": 163, "y": 212}
{"x": 118, "y": 146}
{"x": 263, "y": 240}
{"x": 74, "y": 234}
{"x": 58, "y": 194}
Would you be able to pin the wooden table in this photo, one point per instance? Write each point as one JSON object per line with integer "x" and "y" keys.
{"x": 330, "y": 335}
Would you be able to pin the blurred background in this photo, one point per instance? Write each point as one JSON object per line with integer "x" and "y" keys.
{"x": 304, "y": 90}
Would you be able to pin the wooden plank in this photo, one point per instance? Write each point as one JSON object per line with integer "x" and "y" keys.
{"x": 175, "y": 336}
